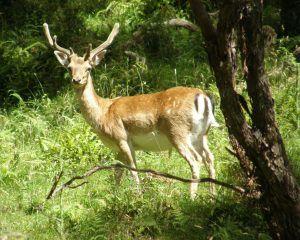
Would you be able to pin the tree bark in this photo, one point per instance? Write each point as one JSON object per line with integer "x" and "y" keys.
{"x": 259, "y": 144}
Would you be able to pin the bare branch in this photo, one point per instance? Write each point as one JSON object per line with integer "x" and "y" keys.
{"x": 177, "y": 22}
{"x": 138, "y": 36}
{"x": 213, "y": 14}
{"x": 150, "y": 171}
{"x": 135, "y": 56}
{"x": 78, "y": 185}
{"x": 56, "y": 180}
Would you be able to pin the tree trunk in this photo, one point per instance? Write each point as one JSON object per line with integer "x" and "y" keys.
{"x": 259, "y": 144}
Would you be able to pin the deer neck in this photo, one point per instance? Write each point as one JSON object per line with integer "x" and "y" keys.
{"x": 92, "y": 106}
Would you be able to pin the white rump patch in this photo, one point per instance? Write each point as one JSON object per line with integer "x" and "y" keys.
{"x": 199, "y": 123}
{"x": 211, "y": 117}
{"x": 202, "y": 121}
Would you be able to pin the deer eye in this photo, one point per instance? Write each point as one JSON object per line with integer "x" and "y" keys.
{"x": 89, "y": 69}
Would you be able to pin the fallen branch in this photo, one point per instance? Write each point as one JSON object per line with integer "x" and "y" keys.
{"x": 138, "y": 36}
{"x": 67, "y": 184}
{"x": 213, "y": 14}
{"x": 136, "y": 56}
{"x": 56, "y": 180}
{"x": 177, "y": 22}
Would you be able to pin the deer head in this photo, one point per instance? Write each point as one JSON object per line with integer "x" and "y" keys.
{"x": 80, "y": 67}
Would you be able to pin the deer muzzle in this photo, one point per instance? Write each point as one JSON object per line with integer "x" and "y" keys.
{"x": 76, "y": 80}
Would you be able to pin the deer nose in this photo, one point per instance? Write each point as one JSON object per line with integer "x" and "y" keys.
{"x": 76, "y": 80}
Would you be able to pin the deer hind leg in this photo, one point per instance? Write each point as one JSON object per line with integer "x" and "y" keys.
{"x": 187, "y": 151}
{"x": 210, "y": 162}
{"x": 128, "y": 156}
{"x": 208, "y": 159}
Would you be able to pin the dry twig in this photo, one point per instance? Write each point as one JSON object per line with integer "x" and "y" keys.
{"x": 56, "y": 180}
{"x": 138, "y": 36}
{"x": 177, "y": 22}
{"x": 67, "y": 184}
{"x": 136, "y": 56}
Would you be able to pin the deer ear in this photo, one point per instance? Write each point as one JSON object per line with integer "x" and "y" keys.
{"x": 96, "y": 59}
{"x": 62, "y": 58}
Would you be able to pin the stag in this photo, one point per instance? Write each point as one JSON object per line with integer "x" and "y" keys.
{"x": 178, "y": 117}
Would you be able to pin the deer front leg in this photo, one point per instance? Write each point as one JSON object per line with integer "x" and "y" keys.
{"x": 128, "y": 155}
{"x": 119, "y": 171}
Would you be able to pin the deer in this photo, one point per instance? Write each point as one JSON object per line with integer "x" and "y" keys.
{"x": 179, "y": 117}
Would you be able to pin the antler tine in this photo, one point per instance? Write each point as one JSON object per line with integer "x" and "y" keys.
{"x": 52, "y": 41}
{"x": 47, "y": 34}
{"x": 59, "y": 48}
{"x": 71, "y": 51}
{"x": 109, "y": 40}
{"x": 88, "y": 52}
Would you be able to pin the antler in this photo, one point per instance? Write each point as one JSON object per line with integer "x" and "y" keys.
{"x": 105, "y": 44}
{"x": 53, "y": 41}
